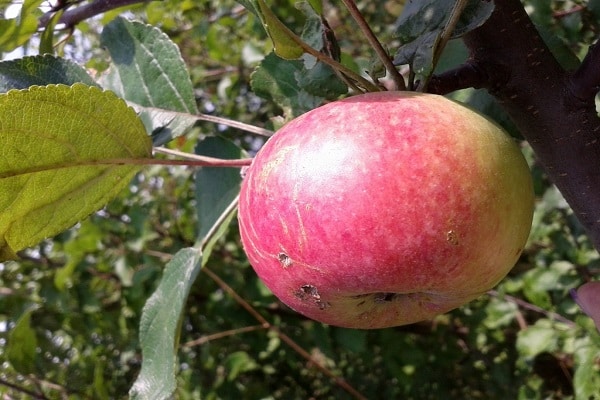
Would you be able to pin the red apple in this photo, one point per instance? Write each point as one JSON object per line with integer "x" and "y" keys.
{"x": 385, "y": 209}
{"x": 587, "y": 296}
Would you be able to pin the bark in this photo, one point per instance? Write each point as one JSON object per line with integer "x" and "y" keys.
{"x": 554, "y": 109}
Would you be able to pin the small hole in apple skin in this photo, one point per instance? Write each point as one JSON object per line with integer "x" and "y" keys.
{"x": 452, "y": 237}
{"x": 310, "y": 293}
{"x": 284, "y": 259}
{"x": 384, "y": 297}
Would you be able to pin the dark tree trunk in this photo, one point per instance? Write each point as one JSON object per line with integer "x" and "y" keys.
{"x": 553, "y": 109}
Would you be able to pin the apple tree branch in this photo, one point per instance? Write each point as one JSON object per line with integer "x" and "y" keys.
{"x": 553, "y": 108}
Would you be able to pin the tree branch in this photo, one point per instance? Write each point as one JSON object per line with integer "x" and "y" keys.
{"x": 465, "y": 76}
{"x": 553, "y": 109}
{"x": 74, "y": 16}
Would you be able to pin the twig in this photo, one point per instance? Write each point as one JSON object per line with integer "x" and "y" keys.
{"x": 381, "y": 53}
{"x": 74, "y": 16}
{"x": 221, "y": 335}
{"x": 297, "y": 40}
{"x": 284, "y": 338}
{"x": 193, "y": 157}
{"x": 208, "y": 118}
{"x": 564, "y": 13}
{"x": 201, "y": 161}
{"x": 531, "y": 307}
{"x": 17, "y": 388}
{"x": 468, "y": 75}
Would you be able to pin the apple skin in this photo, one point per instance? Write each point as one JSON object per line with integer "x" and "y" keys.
{"x": 385, "y": 209}
{"x": 587, "y": 296}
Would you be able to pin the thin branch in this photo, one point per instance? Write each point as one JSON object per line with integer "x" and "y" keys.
{"x": 202, "y": 159}
{"x": 76, "y": 15}
{"x": 17, "y": 388}
{"x": 221, "y": 335}
{"x": 565, "y": 13}
{"x": 531, "y": 307}
{"x": 284, "y": 338}
{"x": 374, "y": 42}
{"x": 208, "y": 118}
{"x": 465, "y": 76}
{"x": 337, "y": 66}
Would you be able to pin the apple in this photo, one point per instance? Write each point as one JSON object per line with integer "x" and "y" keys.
{"x": 587, "y": 296}
{"x": 385, "y": 209}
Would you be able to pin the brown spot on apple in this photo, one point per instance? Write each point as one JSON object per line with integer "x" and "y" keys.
{"x": 384, "y": 297}
{"x": 452, "y": 237}
{"x": 284, "y": 259}
{"x": 310, "y": 293}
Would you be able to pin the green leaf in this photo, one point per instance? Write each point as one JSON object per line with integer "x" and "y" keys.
{"x": 217, "y": 190}
{"x": 41, "y": 70}
{"x": 321, "y": 81}
{"x": 421, "y": 24}
{"x": 159, "y": 327}
{"x": 15, "y": 32}
{"x": 318, "y": 78}
{"x": 275, "y": 79}
{"x": 56, "y": 169}
{"x": 47, "y": 36}
{"x": 537, "y": 339}
{"x": 586, "y": 379}
{"x": 164, "y": 125}
{"x": 238, "y": 363}
{"x": 22, "y": 344}
{"x": 147, "y": 67}
{"x": 285, "y": 42}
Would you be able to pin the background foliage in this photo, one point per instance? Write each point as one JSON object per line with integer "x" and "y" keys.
{"x": 70, "y": 309}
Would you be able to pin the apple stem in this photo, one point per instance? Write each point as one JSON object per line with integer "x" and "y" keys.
{"x": 399, "y": 83}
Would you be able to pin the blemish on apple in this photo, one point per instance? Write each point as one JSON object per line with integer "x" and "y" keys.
{"x": 284, "y": 259}
{"x": 384, "y": 297}
{"x": 310, "y": 293}
{"x": 452, "y": 237}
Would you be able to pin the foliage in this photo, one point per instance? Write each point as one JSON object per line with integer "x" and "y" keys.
{"x": 72, "y": 307}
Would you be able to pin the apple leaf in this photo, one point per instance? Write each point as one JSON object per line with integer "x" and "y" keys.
{"x": 217, "y": 190}
{"x": 421, "y": 24}
{"x": 537, "y": 339}
{"x": 285, "y": 42}
{"x": 22, "y": 344}
{"x": 161, "y": 318}
{"x": 275, "y": 79}
{"x": 15, "y": 32}
{"x": 147, "y": 67}
{"x": 47, "y": 36}
{"x": 587, "y": 374}
{"x": 164, "y": 125}
{"x": 41, "y": 70}
{"x": 56, "y": 169}
{"x": 299, "y": 86}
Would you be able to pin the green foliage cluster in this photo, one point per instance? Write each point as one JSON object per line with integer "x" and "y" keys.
{"x": 153, "y": 294}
